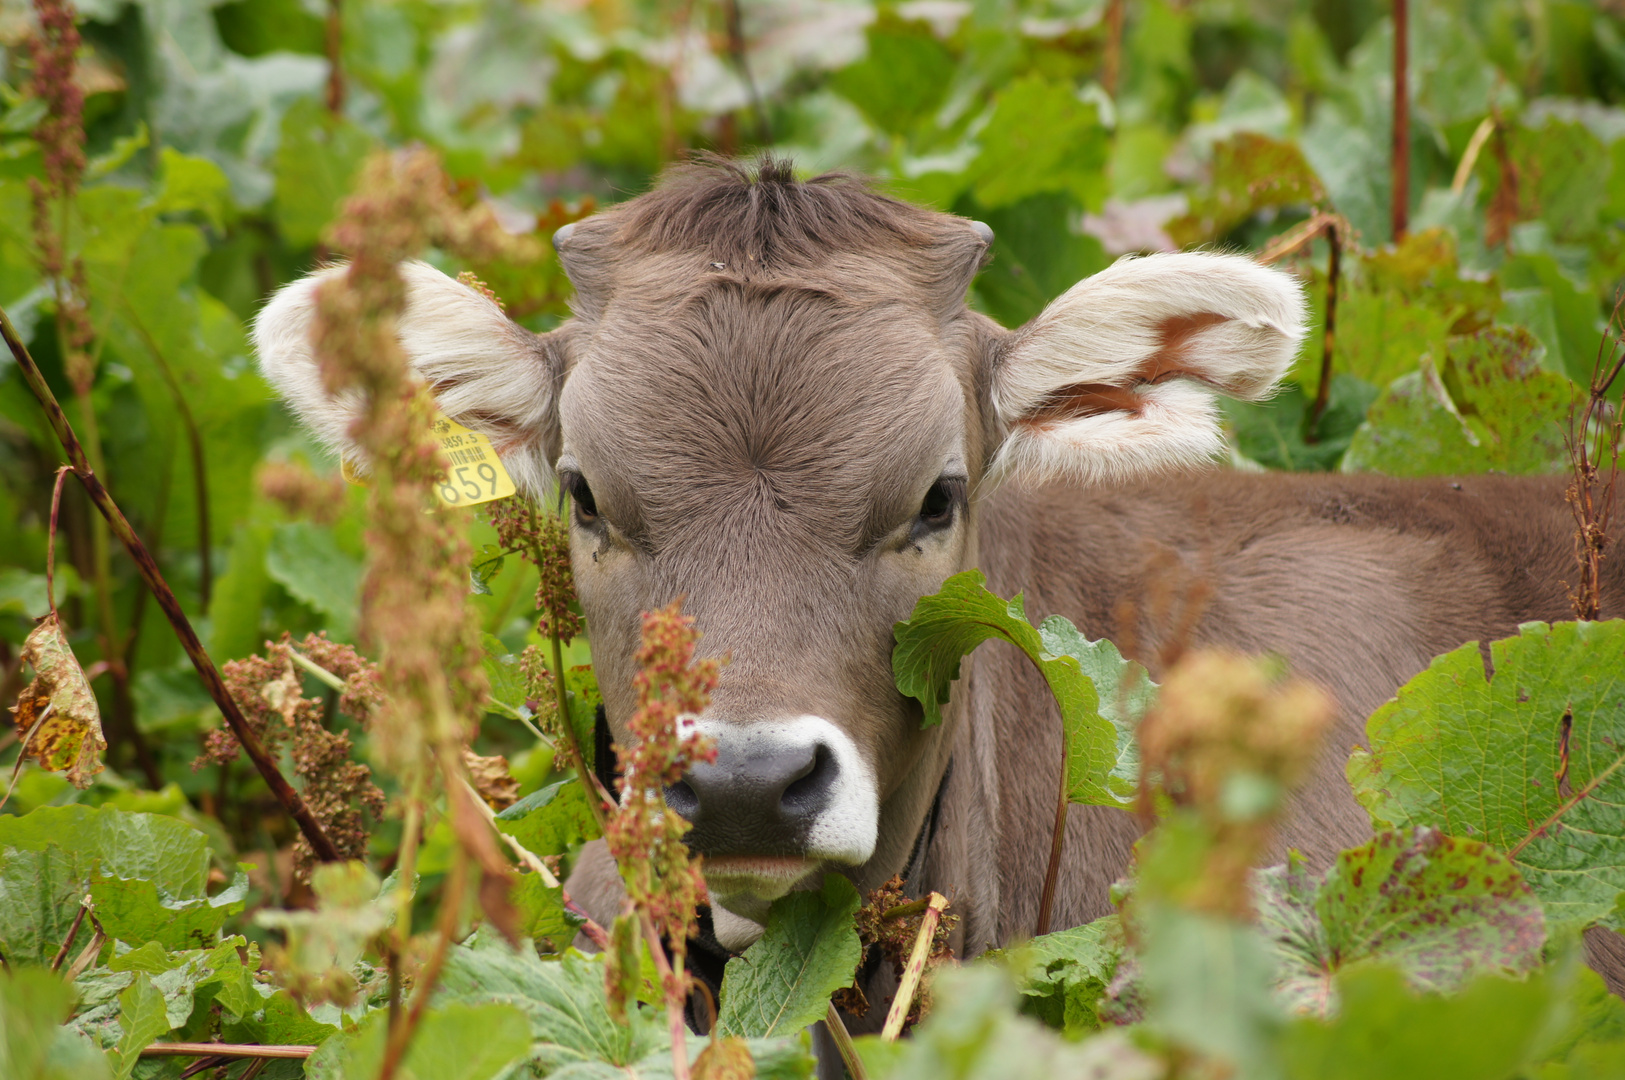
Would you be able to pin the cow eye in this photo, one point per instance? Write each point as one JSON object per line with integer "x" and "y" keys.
{"x": 575, "y": 485}
{"x": 937, "y": 508}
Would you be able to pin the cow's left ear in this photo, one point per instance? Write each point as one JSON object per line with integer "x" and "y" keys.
{"x": 1115, "y": 379}
{"x": 487, "y": 372}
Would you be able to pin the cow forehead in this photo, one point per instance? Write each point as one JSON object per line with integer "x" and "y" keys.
{"x": 791, "y": 403}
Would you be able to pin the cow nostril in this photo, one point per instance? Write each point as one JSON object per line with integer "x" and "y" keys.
{"x": 682, "y": 798}
{"x": 808, "y": 792}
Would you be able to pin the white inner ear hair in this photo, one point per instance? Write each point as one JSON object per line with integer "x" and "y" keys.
{"x": 487, "y": 373}
{"x": 1113, "y": 379}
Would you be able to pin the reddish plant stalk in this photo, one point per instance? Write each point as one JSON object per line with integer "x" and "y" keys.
{"x": 1591, "y": 492}
{"x": 1399, "y": 205}
{"x": 147, "y": 567}
{"x": 1323, "y": 392}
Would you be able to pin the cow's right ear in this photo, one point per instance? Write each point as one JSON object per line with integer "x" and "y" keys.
{"x": 487, "y": 372}
{"x": 1117, "y": 377}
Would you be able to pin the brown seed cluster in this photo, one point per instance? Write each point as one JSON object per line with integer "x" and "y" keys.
{"x": 543, "y": 540}
{"x": 645, "y": 835}
{"x": 302, "y": 493}
{"x": 895, "y": 937}
{"x": 270, "y": 691}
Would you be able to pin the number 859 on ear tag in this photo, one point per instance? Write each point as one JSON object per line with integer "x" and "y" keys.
{"x": 475, "y": 474}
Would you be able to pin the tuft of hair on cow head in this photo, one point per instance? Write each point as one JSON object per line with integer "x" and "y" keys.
{"x": 1116, "y": 378}
{"x": 756, "y": 224}
{"x": 487, "y": 372}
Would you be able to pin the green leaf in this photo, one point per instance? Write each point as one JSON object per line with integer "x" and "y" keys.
{"x": 551, "y": 821}
{"x": 306, "y": 560}
{"x": 1527, "y": 760}
{"x": 1490, "y": 407}
{"x": 506, "y": 681}
{"x": 452, "y": 1042}
{"x": 238, "y": 601}
{"x": 541, "y": 911}
{"x": 135, "y": 911}
{"x": 1439, "y": 909}
{"x": 1385, "y": 1030}
{"x": 1041, "y": 138}
{"x": 903, "y": 78}
{"x": 783, "y": 982}
{"x": 973, "y": 1031}
{"x": 487, "y": 564}
{"x": 1101, "y": 696}
{"x": 1251, "y": 172}
{"x": 1272, "y": 432}
{"x": 563, "y": 1000}
{"x": 1064, "y": 975}
{"x": 50, "y": 858}
{"x": 33, "y": 1045}
{"x": 143, "y": 1017}
{"x": 193, "y": 184}
{"x": 316, "y": 164}
{"x": 1035, "y": 257}
{"x": 178, "y": 976}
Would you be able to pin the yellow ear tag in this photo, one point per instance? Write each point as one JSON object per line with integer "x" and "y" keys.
{"x": 476, "y": 474}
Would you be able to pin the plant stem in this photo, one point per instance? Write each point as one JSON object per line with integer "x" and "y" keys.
{"x": 73, "y": 932}
{"x": 400, "y": 1035}
{"x": 285, "y": 793}
{"x": 1399, "y": 205}
{"x": 843, "y": 1043}
{"x": 1323, "y": 393}
{"x": 1057, "y": 841}
{"x": 589, "y": 779}
{"x": 669, "y": 978}
{"x": 226, "y": 1050}
{"x": 904, "y": 1001}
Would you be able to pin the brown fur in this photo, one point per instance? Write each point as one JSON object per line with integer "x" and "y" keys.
{"x": 762, "y": 380}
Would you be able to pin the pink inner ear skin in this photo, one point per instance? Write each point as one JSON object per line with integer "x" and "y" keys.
{"x": 1079, "y": 400}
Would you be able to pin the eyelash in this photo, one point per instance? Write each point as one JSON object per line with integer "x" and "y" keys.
{"x": 575, "y": 485}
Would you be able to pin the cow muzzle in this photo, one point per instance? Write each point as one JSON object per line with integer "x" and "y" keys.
{"x": 783, "y": 800}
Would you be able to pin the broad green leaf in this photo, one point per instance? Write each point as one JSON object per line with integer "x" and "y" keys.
{"x": 237, "y": 606}
{"x": 1063, "y": 975}
{"x": 1041, "y": 138}
{"x": 1384, "y": 1029}
{"x": 541, "y": 911}
{"x": 193, "y": 184}
{"x": 316, "y": 165}
{"x": 563, "y": 1000}
{"x": 1490, "y": 407}
{"x": 507, "y": 682}
{"x": 1035, "y": 259}
{"x": 783, "y": 982}
{"x": 1101, "y": 696}
{"x": 178, "y": 976}
{"x": 552, "y": 820}
{"x": 143, "y": 1017}
{"x": 1273, "y": 433}
{"x": 973, "y": 1031}
{"x": 306, "y": 560}
{"x": 1527, "y": 760}
{"x": 1577, "y": 320}
{"x": 352, "y": 909}
{"x": 903, "y": 78}
{"x": 1251, "y": 172}
{"x": 452, "y": 1042}
{"x": 1440, "y": 910}
{"x": 33, "y": 1044}
{"x": 50, "y": 858}
{"x": 135, "y": 911}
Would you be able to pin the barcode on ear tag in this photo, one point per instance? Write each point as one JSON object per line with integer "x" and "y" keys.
{"x": 475, "y": 474}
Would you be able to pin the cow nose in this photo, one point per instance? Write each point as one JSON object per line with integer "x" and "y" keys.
{"x": 756, "y": 800}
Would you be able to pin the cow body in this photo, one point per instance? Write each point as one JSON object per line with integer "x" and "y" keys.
{"x": 774, "y": 402}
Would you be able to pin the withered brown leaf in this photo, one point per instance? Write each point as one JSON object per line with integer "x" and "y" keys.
{"x": 491, "y": 779}
{"x": 56, "y": 715}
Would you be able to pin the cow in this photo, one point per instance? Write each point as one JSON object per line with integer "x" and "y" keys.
{"x": 773, "y": 400}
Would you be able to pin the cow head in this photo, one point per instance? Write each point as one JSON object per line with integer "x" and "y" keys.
{"x": 773, "y": 400}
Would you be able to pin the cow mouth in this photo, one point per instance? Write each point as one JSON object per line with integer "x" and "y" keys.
{"x": 745, "y": 886}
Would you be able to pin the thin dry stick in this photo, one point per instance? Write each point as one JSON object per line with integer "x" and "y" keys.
{"x": 1111, "y": 65}
{"x": 1399, "y": 205}
{"x": 226, "y": 1050}
{"x": 147, "y": 566}
{"x": 843, "y": 1043}
{"x": 50, "y": 538}
{"x": 335, "y": 56}
{"x": 904, "y": 1001}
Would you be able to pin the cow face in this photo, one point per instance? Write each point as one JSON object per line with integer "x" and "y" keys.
{"x": 773, "y": 401}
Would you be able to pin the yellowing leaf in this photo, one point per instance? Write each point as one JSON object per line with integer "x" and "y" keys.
{"x": 57, "y": 717}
